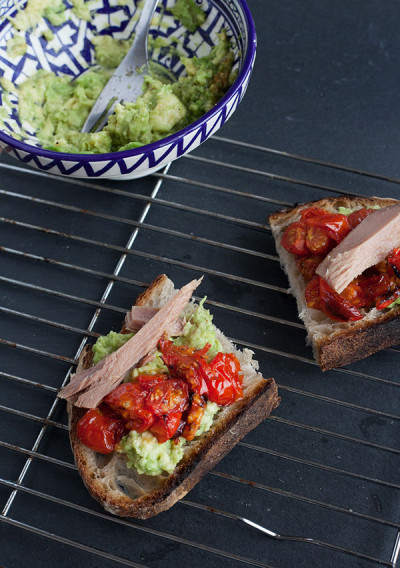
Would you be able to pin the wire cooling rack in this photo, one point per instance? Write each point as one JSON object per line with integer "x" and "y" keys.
{"x": 75, "y": 254}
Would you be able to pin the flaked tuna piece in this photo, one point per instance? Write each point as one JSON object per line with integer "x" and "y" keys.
{"x": 96, "y": 382}
{"x": 176, "y": 328}
{"x": 138, "y": 316}
{"x": 366, "y": 245}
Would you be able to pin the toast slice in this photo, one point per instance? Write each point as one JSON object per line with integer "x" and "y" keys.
{"x": 122, "y": 491}
{"x": 334, "y": 343}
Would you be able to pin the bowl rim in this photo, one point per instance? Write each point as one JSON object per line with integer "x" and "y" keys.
{"x": 176, "y": 136}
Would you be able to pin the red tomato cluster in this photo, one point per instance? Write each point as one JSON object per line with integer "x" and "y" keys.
{"x": 167, "y": 405}
{"x": 317, "y": 232}
{"x": 378, "y": 286}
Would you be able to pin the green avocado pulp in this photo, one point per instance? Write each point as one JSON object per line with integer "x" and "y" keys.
{"x": 144, "y": 453}
{"x": 189, "y": 14}
{"x": 56, "y": 107}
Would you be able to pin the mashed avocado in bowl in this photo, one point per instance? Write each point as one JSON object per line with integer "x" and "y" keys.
{"x": 57, "y": 107}
{"x": 58, "y": 54}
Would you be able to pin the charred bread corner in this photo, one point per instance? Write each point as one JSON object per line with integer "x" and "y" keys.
{"x": 110, "y": 479}
{"x": 344, "y": 274}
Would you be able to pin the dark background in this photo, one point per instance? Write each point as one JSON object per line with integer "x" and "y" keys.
{"x": 326, "y": 82}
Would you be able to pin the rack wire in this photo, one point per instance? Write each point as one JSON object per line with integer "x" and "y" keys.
{"x": 74, "y": 255}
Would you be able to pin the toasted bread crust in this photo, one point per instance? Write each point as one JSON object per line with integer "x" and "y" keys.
{"x": 211, "y": 447}
{"x": 284, "y": 217}
{"x": 357, "y": 343}
{"x": 352, "y": 341}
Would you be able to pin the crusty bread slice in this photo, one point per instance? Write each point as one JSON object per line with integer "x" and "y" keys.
{"x": 123, "y": 491}
{"x": 336, "y": 344}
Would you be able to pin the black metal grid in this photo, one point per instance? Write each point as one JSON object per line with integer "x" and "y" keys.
{"x": 75, "y": 253}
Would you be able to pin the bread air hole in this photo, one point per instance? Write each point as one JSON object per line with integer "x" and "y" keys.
{"x": 102, "y": 460}
{"x": 114, "y": 475}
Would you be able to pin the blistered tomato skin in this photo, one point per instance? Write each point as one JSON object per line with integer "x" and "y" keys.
{"x": 336, "y": 307}
{"x": 312, "y": 294}
{"x": 307, "y": 265}
{"x": 170, "y": 396}
{"x": 141, "y": 420}
{"x": 194, "y": 417}
{"x": 335, "y": 226}
{"x": 166, "y": 426}
{"x": 354, "y": 294}
{"x": 394, "y": 260}
{"x": 225, "y": 384}
{"x": 99, "y": 432}
{"x": 294, "y": 239}
{"x": 317, "y": 241}
{"x": 375, "y": 287}
{"x": 320, "y": 296}
{"x": 310, "y": 212}
{"x": 356, "y": 217}
{"x": 126, "y": 399}
{"x": 183, "y": 363}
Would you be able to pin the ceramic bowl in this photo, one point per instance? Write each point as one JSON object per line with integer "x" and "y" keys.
{"x": 71, "y": 51}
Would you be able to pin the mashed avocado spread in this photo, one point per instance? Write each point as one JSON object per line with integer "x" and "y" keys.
{"x": 199, "y": 330}
{"x": 143, "y": 451}
{"x": 109, "y": 343}
{"x": 56, "y": 107}
{"x": 53, "y": 10}
{"x": 148, "y": 456}
{"x": 189, "y": 14}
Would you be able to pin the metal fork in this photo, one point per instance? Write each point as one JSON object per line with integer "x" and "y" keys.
{"x": 309, "y": 540}
{"x": 127, "y": 80}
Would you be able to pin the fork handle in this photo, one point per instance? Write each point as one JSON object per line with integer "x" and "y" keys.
{"x": 120, "y": 84}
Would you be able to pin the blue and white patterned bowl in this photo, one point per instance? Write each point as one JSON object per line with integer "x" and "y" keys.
{"x": 71, "y": 51}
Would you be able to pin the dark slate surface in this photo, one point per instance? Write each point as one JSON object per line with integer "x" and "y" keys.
{"x": 326, "y": 465}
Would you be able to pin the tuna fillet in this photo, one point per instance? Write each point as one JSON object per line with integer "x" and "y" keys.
{"x": 138, "y": 316}
{"x": 369, "y": 243}
{"x": 87, "y": 388}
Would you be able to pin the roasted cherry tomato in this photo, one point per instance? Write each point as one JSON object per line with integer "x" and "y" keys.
{"x": 140, "y": 420}
{"x": 126, "y": 399}
{"x": 183, "y": 363}
{"x": 394, "y": 260}
{"x": 354, "y": 294}
{"x": 336, "y": 226}
{"x": 307, "y": 266}
{"x": 165, "y": 426}
{"x": 225, "y": 382}
{"x": 312, "y": 294}
{"x": 313, "y": 212}
{"x": 356, "y": 217}
{"x": 194, "y": 417}
{"x": 376, "y": 286}
{"x": 317, "y": 241}
{"x": 100, "y": 430}
{"x": 294, "y": 238}
{"x": 336, "y": 307}
{"x": 149, "y": 381}
{"x": 169, "y": 396}
{"x": 389, "y": 298}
